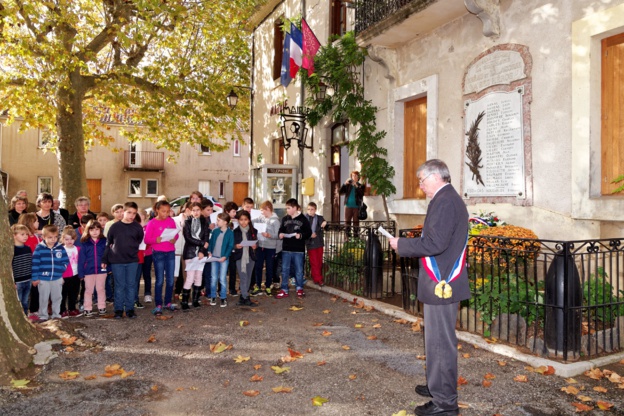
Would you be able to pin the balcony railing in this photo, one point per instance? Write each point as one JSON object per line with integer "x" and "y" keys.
{"x": 145, "y": 161}
{"x": 370, "y": 12}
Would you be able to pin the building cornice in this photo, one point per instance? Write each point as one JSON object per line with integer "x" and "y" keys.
{"x": 263, "y": 11}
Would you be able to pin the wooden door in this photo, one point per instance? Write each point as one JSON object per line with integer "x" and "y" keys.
{"x": 612, "y": 126}
{"x": 95, "y": 193}
{"x": 415, "y": 145}
{"x": 241, "y": 191}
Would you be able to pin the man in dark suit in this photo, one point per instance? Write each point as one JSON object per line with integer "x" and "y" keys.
{"x": 56, "y": 207}
{"x": 82, "y": 205}
{"x": 442, "y": 283}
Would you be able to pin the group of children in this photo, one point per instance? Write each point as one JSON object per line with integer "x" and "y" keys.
{"x": 67, "y": 269}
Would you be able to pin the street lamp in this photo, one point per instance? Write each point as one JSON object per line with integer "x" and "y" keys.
{"x": 232, "y": 97}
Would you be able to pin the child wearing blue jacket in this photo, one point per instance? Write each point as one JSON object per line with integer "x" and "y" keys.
{"x": 49, "y": 262}
{"x": 93, "y": 244}
{"x": 221, "y": 245}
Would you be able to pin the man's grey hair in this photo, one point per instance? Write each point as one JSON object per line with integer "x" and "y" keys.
{"x": 434, "y": 166}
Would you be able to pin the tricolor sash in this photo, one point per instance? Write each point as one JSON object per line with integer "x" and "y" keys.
{"x": 443, "y": 288}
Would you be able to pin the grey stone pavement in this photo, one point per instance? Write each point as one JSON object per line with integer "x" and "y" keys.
{"x": 363, "y": 361}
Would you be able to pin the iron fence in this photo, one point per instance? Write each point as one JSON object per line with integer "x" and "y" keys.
{"x": 370, "y": 12}
{"x": 358, "y": 261}
{"x": 562, "y": 299}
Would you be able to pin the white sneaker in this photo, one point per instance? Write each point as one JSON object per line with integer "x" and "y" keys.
{"x": 147, "y": 299}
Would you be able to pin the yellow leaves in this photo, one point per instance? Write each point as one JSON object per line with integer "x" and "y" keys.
{"x": 604, "y": 405}
{"x": 584, "y": 398}
{"x": 256, "y": 378}
{"x": 280, "y": 370}
{"x": 257, "y": 367}
{"x": 295, "y": 308}
{"x": 154, "y": 387}
{"x": 400, "y": 413}
{"x": 251, "y": 393}
{"x": 521, "y": 379}
{"x": 615, "y": 378}
{"x": 377, "y": 326}
{"x": 125, "y": 374}
{"x": 371, "y": 337}
{"x": 571, "y": 380}
{"x": 570, "y": 390}
{"x": 401, "y": 321}
{"x": 326, "y": 333}
{"x": 580, "y": 407}
{"x": 421, "y": 357}
{"x": 282, "y": 389}
{"x": 19, "y": 384}
{"x": 594, "y": 373}
{"x": 361, "y": 305}
{"x": 319, "y": 401}
{"x": 600, "y": 389}
{"x": 346, "y": 347}
{"x": 243, "y": 323}
{"x": 545, "y": 370}
{"x": 358, "y": 326}
{"x": 219, "y": 347}
{"x": 69, "y": 375}
{"x": 241, "y": 359}
{"x": 416, "y": 326}
{"x": 502, "y": 363}
{"x": 352, "y": 376}
{"x": 326, "y": 311}
{"x": 152, "y": 338}
{"x": 116, "y": 370}
{"x": 466, "y": 355}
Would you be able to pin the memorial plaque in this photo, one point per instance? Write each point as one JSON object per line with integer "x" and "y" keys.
{"x": 497, "y": 68}
{"x": 494, "y": 145}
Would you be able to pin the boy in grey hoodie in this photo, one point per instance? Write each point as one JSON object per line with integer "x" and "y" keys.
{"x": 267, "y": 245}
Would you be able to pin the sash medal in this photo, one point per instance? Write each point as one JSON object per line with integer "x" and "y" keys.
{"x": 443, "y": 289}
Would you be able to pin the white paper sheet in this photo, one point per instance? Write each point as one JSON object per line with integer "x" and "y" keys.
{"x": 194, "y": 264}
{"x": 261, "y": 228}
{"x": 384, "y": 232}
{"x": 291, "y": 235}
{"x": 248, "y": 243}
{"x": 169, "y": 234}
{"x": 210, "y": 259}
{"x": 213, "y": 217}
{"x": 255, "y": 213}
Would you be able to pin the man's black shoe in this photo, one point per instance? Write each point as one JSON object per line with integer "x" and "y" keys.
{"x": 130, "y": 314}
{"x": 423, "y": 391}
{"x": 430, "y": 409}
{"x": 118, "y": 314}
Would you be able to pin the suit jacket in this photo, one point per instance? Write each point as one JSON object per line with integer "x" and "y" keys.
{"x": 74, "y": 221}
{"x": 444, "y": 237}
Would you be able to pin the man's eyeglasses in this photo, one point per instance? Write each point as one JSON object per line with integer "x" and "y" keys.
{"x": 420, "y": 181}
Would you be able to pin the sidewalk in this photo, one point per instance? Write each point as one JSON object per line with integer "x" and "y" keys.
{"x": 363, "y": 362}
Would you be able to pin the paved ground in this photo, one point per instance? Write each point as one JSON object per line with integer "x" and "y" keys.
{"x": 362, "y": 361}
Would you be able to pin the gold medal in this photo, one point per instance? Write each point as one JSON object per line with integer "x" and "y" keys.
{"x": 443, "y": 290}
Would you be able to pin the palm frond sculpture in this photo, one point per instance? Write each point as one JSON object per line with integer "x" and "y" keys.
{"x": 473, "y": 151}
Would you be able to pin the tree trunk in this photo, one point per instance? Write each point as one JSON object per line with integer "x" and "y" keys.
{"x": 17, "y": 334}
{"x": 71, "y": 147}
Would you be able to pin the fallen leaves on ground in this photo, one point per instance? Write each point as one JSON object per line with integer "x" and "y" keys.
{"x": 371, "y": 337}
{"x": 243, "y": 323}
{"x": 604, "y": 405}
{"x": 594, "y": 373}
{"x": 251, "y": 393}
{"x": 461, "y": 381}
{"x": 69, "y": 375}
{"x": 521, "y": 379}
{"x": 346, "y": 347}
{"x": 317, "y": 324}
{"x": 421, "y": 357}
{"x": 282, "y": 389}
{"x": 545, "y": 370}
{"x": 163, "y": 317}
{"x": 502, "y": 363}
{"x": 219, "y": 347}
{"x": 580, "y": 407}
{"x": 352, "y": 376}
{"x": 319, "y": 363}
{"x": 309, "y": 350}
{"x": 152, "y": 338}
{"x": 326, "y": 333}
{"x": 486, "y": 383}
{"x": 319, "y": 401}
{"x": 615, "y": 378}
{"x": 241, "y": 359}
{"x": 280, "y": 370}
{"x": 326, "y": 311}
{"x": 489, "y": 376}
{"x": 69, "y": 349}
{"x": 400, "y": 413}
{"x": 570, "y": 390}
{"x": 257, "y": 366}
{"x": 334, "y": 298}
{"x": 91, "y": 377}
{"x": 68, "y": 340}
{"x": 584, "y": 398}
{"x": 256, "y": 378}
{"x": 358, "y": 326}
{"x": 154, "y": 387}
{"x": 401, "y": 321}
{"x": 295, "y": 308}
{"x": 295, "y": 354}
{"x": 600, "y": 389}
{"x": 571, "y": 380}
{"x": 377, "y": 326}
{"x": 416, "y": 326}
{"x": 19, "y": 384}
{"x": 466, "y": 355}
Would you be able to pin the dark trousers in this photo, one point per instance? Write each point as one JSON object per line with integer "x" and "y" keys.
{"x": 110, "y": 286}
{"x": 352, "y": 215}
{"x": 70, "y": 292}
{"x": 206, "y": 277}
{"x": 146, "y": 270}
{"x": 34, "y": 299}
{"x": 264, "y": 255}
{"x": 441, "y": 353}
{"x": 232, "y": 279}
{"x": 179, "y": 283}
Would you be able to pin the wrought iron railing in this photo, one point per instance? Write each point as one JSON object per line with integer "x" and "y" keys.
{"x": 144, "y": 160}
{"x": 358, "y": 261}
{"x": 370, "y": 12}
{"x": 562, "y": 299}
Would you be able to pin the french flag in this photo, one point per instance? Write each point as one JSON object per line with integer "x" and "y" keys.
{"x": 296, "y": 50}
{"x": 285, "y": 71}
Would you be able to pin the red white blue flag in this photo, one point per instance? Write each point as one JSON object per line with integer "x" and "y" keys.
{"x": 296, "y": 50}
{"x": 285, "y": 77}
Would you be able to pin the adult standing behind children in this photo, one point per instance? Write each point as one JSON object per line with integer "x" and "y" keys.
{"x": 56, "y": 207}
{"x": 315, "y": 243}
{"x": 45, "y": 215}
{"x": 17, "y": 207}
{"x": 353, "y": 191}
{"x": 49, "y": 263}
{"x": 294, "y": 231}
{"x": 82, "y": 204}
{"x": 122, "y": 254}
{"x": 30, "y": 207}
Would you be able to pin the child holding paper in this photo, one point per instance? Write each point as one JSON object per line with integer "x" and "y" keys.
{"x": 196, "y": 239}
{"x": 244, "y": 255}
{"x": 163, "y": 253}
{"x": 221, "y": 245}
{"x": 268, "y": 241}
